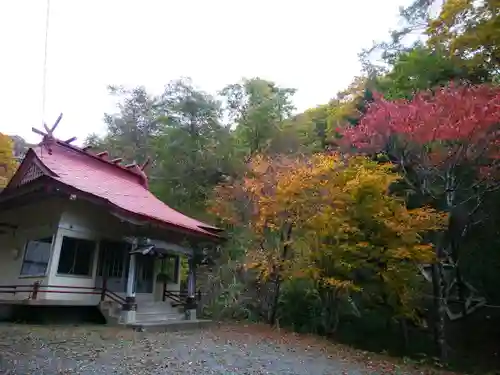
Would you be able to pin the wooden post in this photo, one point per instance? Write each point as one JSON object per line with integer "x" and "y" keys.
{"x": 191, "y": 279}
{"x": 190, "y": 307}
{"x": 129, "y": 308}
{"x": 36, "y": 288}
{"x": 130, "y": 298}
{"x": 163, "y": 296}
{"x": 131, "y": 276}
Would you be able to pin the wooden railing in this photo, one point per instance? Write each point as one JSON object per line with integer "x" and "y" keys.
{"x": 178, "y": 297}
{"x": 37, "y": 287}
{"x": 105, "y": 292}
{"x": 32, "y": 290}
{"x": 9, "y": 289}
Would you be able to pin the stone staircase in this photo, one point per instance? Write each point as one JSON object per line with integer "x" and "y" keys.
{"x": 163, "y": 317}
{"x": 152, "y": 316}
{"x": 147, "y": 312}
{"x": 158, "y": 312}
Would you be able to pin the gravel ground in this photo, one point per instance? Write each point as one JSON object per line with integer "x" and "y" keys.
{"x": 27, "y": 349}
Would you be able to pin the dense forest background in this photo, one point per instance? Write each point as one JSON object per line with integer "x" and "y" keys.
{"x": 370, "y": 218}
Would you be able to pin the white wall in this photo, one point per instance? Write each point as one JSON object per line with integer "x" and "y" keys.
{"x": 33, "y": 222}
{"x": 86, "y": 221}
{"x": 56, "y": 279}
{"x": 61, "y": 218}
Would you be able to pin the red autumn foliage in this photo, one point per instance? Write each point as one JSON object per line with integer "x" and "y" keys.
{"x": 451, "y": 119}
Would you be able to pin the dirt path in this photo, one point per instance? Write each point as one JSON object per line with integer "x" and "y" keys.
{"x": 226, "y": 350}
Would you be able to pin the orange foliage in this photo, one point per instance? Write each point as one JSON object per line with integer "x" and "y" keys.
{"x": 343, "y": 220}
{"x": 8, "y": 164}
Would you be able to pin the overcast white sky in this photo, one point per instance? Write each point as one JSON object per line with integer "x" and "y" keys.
{"x": 310, "y": 45}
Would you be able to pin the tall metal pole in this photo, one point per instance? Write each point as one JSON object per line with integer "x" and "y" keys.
{"x": 44, "y": 76}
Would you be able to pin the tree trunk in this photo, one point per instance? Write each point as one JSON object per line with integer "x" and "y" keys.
{"x": 461, "y": 287}
{"x": 438, "y": 279}
{"x": 336, "y": 314}
{"x": 403, "y": 324}
{"x": 285, "y": 238}
{"x": 458, "y": 236}
{"x": 439, "y": 311}
{"x": 274, "y": 310}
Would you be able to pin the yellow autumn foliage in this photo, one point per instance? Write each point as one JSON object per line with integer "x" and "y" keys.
{"x": 347, "y": 232}
{"x": 8, "y": 164}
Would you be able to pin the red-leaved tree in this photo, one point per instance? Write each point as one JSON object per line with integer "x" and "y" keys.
{"x": 446, "y": 143}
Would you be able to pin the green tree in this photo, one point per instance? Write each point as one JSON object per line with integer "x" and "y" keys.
{"x": 304, "y": 133}
{"x": 423, "y": 68}
{"x": 465, "y": 31}
{"x": 256, "y": 108}
{"x": 193, "y": 149}
{"x": 180, "y": 131}
{"x": 469, "y": 29}
{"x": 129, "y": 131}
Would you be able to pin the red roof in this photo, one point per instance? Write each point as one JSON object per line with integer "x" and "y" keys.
{"x": 123, "y": 187}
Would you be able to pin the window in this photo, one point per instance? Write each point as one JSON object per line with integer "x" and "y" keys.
{"x": 170, "y": 268}
{"x": 77, "y": 257}
{"x": 36, "y": 257}
{"x": 113, "y": 258}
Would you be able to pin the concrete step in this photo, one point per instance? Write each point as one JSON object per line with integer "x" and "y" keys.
{"x": 160, "y": 305}
{"x": 147, "y": 312}
{"x": 170, "y": 325}
{"x": 157, "y": 317}
{"x": 157, "y": 311}
{"x": 149, "y": 323}
{"x": 158, "y": 308}
{"x": 168, "y": 301}
{"x": 153, "y": 303}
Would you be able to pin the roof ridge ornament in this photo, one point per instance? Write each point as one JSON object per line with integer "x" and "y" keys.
{"x": 145, "y": 164}
{"x": 139, "y": 171}
{"x": 48, "y": 134}
{"x": 48, "y": 140}
{"x": 103, "y": 154}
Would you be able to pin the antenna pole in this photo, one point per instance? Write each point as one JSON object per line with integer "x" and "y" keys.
{"x": 44, "y": 77}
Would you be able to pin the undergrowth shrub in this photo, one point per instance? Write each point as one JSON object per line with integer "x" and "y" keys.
{"x": 300, "y": 306}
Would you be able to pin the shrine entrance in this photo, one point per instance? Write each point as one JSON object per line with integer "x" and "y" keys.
{"x": 113, "y": 264}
